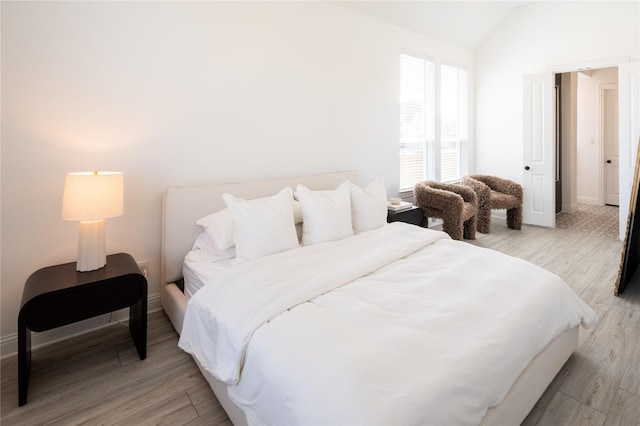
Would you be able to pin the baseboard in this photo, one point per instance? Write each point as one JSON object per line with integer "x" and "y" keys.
{"x": 588, "y": 200}
{"x": 435, "y": 223}
{"x": 9, "y": 343}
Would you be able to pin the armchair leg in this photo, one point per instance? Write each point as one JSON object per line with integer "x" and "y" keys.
{"x": 514, "y": 218}
{"x": 470, "y": 229}
{"x": 453, "y": 228}
{"x": 484, "y": 220}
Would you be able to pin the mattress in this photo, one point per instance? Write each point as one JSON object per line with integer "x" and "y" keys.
{"x": 199, "y": 268}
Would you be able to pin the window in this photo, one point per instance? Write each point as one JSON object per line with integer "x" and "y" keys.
{"x": 433, "y": 121}
{"x": 453, "y": 123}
{"x": 417, "y": 120}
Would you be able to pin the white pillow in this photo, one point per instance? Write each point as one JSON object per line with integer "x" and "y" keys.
{"x": 326, "y": 215}
{"x": 220, "y": 227}
{"x": 368, "y": 206}
{"x": 206, "y": 246}
{"x": 263, "y": 226}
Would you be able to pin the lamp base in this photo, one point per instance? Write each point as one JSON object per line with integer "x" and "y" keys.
{"x": 92, "y": 253}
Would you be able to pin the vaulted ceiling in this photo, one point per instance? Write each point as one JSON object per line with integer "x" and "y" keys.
{"x": 463, "y": 23}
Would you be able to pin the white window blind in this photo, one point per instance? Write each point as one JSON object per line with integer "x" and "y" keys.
{"x": 453, "y": 123}
{"x": 417, "y": 120}
{"x": 423, "y": 109}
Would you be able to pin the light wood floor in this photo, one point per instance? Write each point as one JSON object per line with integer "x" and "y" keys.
{"x": 98, "y": 379}
{"x": 600, "y": 383}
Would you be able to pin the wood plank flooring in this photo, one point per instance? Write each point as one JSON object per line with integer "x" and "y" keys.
{"x": 599, "y": 384}
{"x": 97, "y": 378}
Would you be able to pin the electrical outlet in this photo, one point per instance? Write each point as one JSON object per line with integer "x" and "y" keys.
{"x": 144, "y": 267}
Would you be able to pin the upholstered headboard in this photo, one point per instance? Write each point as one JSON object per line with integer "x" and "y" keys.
{"x": 184, "y": 205}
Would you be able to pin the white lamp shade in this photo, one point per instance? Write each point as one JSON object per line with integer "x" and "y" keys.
{"x": 92, "y": 196}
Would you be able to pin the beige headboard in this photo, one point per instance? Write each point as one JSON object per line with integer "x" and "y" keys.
{"x": 184, "y": 205}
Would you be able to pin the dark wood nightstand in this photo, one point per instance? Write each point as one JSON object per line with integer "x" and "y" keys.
{"x": 414, "y": 216}
{"x": 60, "y": 295}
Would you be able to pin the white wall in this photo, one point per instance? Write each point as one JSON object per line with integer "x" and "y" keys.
{"x": 589, "y": 142}
{"x": 569, "y": 136}
{"x": 183, "y": 93}
{"x": 535, "y": 38}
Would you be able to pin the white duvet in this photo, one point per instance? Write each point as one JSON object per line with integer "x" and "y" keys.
{"x": 398, "y": 325}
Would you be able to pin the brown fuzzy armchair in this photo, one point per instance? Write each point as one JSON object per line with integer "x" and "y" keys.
{"x": 455, "y": 204}
{"x": 496, "y": 193}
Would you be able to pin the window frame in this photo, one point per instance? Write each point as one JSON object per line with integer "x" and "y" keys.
{"x": 436, "y": 149}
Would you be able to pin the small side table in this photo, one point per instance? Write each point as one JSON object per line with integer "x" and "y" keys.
{"x": 414, "y": 216}
{"x": 60, "y": 295}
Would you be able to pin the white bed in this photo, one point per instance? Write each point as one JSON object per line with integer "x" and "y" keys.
{"x": 257, "y": 382}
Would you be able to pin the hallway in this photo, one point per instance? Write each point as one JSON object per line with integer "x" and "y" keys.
{"x": 591, "y": 219}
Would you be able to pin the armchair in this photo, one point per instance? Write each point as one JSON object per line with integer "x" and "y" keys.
{"x": 496, "y": 193}
{"x": 455, "y": 204}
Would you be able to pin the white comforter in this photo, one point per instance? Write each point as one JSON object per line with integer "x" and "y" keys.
{"x": 399, "y": 325}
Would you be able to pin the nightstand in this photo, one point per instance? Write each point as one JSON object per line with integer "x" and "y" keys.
{"x": 414, "y": 216}
{"x": 60, "y": 295}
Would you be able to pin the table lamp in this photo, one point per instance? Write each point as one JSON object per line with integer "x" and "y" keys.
{"x": 90, "y": 198}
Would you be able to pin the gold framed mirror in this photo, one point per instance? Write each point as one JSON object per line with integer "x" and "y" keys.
{"x": 631, "y": 246}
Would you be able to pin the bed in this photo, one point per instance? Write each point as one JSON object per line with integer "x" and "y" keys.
{"x": 349, "y": 351}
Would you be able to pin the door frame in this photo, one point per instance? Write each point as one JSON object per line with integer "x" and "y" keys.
{"x": 628, "y": 134}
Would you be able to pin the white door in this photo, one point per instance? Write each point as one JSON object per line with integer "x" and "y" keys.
{"x": 610, "y": 140}
{"x": 539, "y": 157}
{"x": 629, "y": 127}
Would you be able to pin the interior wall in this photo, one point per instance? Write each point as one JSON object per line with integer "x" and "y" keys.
{"x": 589, "y": 142}
{"x": 178, "y": 93}
{"x": 536, "y": 38}
{"x": 569, "y": 142}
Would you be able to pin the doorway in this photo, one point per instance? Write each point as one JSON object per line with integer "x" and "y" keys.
{"x": 587, "y": 125}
